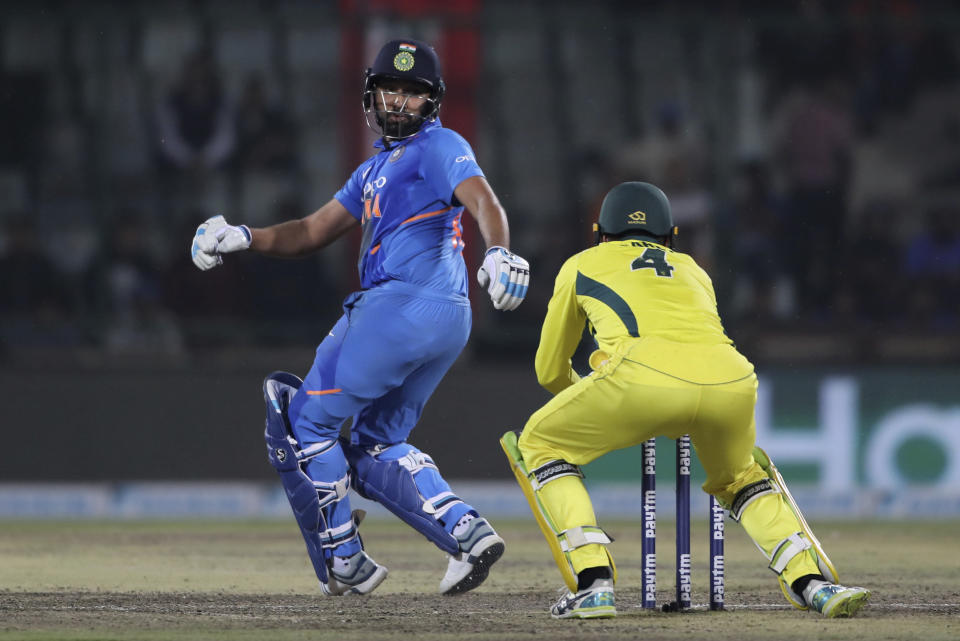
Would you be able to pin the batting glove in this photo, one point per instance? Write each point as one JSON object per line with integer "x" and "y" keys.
{"x": 215, "y": 237}
{"x": 505, "y": 277}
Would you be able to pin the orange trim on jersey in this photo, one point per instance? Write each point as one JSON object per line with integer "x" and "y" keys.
{"x": 429, "y": 214}
{"x": 321, "y": 392}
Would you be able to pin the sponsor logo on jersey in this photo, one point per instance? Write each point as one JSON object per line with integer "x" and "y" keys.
{"x": 370, "y": 187}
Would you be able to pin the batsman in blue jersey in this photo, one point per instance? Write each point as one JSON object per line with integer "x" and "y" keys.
{"x": 397, "y": 337}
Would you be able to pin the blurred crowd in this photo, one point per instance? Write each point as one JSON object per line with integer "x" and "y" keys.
{"x": 844, "y": 213}
{"x": 122, "y": 280}
{"x": 850, "y": 221}
{"x": 837, "y": 210}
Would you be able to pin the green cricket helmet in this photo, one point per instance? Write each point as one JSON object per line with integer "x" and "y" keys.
{"x": 635, "y": 208}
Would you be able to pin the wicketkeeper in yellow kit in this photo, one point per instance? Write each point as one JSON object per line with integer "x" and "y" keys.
{"x": 664, "y": 367}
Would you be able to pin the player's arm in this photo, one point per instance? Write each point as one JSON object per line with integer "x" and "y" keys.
{"x": 503, "y": 274}
{"x": 287, "y": 239}
{"x": 561, "y": 332}
{"x": 305, "y": 235}
{"x": 477, "y": 196}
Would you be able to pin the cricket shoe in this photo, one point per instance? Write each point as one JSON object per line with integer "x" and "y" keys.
{"x": 480, "y": 547}
{"x": 595, "y": 602}
{"x": 356, "y": 574}
{"x": 836, "y": 601}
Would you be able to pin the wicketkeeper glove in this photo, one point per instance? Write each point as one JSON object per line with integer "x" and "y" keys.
{"x": 214, "y": 237}
{"x": 505, "y": 277}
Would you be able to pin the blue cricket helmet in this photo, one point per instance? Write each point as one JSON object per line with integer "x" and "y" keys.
{"x": 409, "y": 60}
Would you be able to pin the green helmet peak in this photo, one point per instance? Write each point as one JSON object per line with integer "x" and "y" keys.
{"x": 635, "y": 208}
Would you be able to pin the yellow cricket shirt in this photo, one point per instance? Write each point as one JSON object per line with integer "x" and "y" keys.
{"x": 642, "y": 297}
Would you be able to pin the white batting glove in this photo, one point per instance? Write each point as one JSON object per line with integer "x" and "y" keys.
{"x": 505, "y": 277}
{"x": 214, "y": 237}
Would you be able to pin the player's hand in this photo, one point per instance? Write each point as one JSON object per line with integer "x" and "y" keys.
{"x": 215, "y": 237}
{"x": 505, "y": 277}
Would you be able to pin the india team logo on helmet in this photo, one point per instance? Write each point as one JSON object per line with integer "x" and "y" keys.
{"x": 404, "y": 61}
{"x": 411, "y": 61}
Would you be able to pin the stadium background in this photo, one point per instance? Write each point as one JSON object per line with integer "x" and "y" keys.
{"x": 812, "y": 154}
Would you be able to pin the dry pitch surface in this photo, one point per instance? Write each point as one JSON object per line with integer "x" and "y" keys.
{"x": 231, "y": 580}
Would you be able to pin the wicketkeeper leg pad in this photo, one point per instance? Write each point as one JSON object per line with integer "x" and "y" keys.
{"x": 804, "y": 541}
{"x": 313, "y": 502}
{"x": 561, "y": 542}
{"x": 391, "y": 483}
{"x": 748, "y": 495}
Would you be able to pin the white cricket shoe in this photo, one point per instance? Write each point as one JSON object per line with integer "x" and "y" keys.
{"x": 360, "y": 575}
{"x": 595, "y": 602}
{"x": 836, "y": 601}
{"x": 480, "y": 547}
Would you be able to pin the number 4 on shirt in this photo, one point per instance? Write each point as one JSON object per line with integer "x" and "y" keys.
{"x": 653, "y": 258}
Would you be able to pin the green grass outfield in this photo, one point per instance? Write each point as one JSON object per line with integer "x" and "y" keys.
{"x": 251, "y": 580}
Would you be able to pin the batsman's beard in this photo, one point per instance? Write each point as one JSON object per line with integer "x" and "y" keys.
{"x": 396, "y": 125}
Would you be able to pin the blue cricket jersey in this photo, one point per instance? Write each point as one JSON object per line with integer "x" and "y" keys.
{"x": 403, "y": 197}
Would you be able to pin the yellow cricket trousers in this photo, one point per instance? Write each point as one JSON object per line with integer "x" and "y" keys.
{"x": 626, "y": 402}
